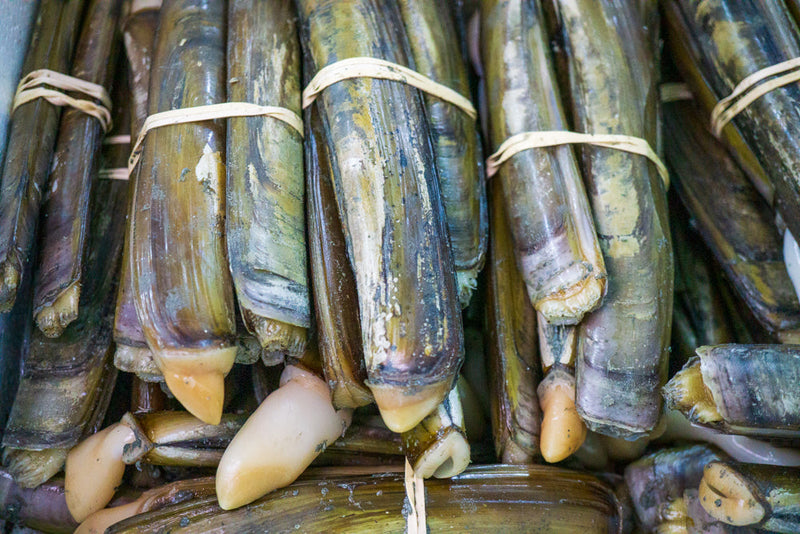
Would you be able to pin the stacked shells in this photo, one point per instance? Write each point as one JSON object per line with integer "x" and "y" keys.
{"x": 349, "y": 274}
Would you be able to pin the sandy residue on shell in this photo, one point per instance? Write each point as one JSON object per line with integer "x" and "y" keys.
{"x": 209, "y": 169}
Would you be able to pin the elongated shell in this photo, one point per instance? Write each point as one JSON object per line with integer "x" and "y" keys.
{"x": 702, "y": 93}
{"x": 139, "y": 32}
{"x": 182, "y": 287}
{"x": 762, "y": 496}
{"x": 697, "y": 294}
{"x": 391, "y": 209}
{"x": 152, "y": 499}
{"x": 366, "y": 442}
{"x": 729, "y": 40}
{"x": 17, "y": 18}
{"x": 623, "y": 345}
{"x": 30, "y": 143}
{"x": 511, "y": 333}
{"x": 438, "y": 445}
{"x": 43, "y": 508}
{"x": 661, "y": 477}
{"x": 555, "y": 246}
{"x": 67, "y": 381}
{"x": 436, "y": 51}
{"x": 735, "y": 222}
{"x": 180, "y": 439}
{"x": 741, "y": 389}
{"x": 65, "y": 214}
{"x": 515, "y": 497}
{"x": 265, "y": 217}
{"x": 335, "y": 296}
{"x": 15, "y": 332}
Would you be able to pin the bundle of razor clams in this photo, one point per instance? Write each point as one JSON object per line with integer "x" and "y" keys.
{"x": 396, "y": 265}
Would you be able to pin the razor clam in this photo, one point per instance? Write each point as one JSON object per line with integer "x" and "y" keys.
{"x": 555, "y": 245}
{"x": 736, "y": 224}
{"x": 512, "y": 348}
{"x": 661, "y": 477}
{"x": 391, "y": 210}
{"x": 65, "y": 211}
{"x": 31, "y": 141}
{"x": 290, "y": 428}
{"x": 741, "y": 389}
{"x": 265, "y": 217}
{"x": 17, "y": 19}
{"x": 183, "y": 299}
{"x": 132, "y": 354}
{"x": 42, "y": 508}
{"x": 762, "y": 496}
{"x": 727, "y": 41}
{"x": 180, "y": 439}
{"x": 330, "y": 500}
{"x": 697, "y": 294}
{"x": 67, "y": 381}
{"x": 563, "y": 430}
{"x": 335, "y": 296}
{"x": 623, "y": 346}
{"x": 438, "y": 445}
{"x": 436, "y": 52}
{"x": 150, "y": 500}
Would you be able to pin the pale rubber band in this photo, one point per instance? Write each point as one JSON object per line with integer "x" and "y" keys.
{"x": 370, "y": 67}
{"x": 528, "y": 140}
{"x": 144, "y": 5}
{"x": 747, "y": 92}
{"x": 674, "y": 92}
{"x": 121, "y": 139}
{"x": 117, "y": 173}
{"x": 416, "y": 519}
{"x": 225, "y": 110}
{"x": 30, "y": 89}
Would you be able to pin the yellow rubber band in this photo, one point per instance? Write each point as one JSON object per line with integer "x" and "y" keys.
{"x": 225, "y": 110}
{"x": 117, "y": 173}
{"x": 144, "y": 5}
{"x": 30, "y": 88}
{"x": 416, "y": 520}
{"x": 370, "y": 67}
{"x": 121, "y": 139}
{"x": 674, "y": 92}
{"x": 751, "y": 89}
{"x": 528, "y": 140}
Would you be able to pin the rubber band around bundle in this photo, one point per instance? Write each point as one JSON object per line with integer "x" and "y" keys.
{"x": 121, "y": 139}
{"x": 225, "y": 110}
{"x": 674, "y": 92}
{"x": 144, "y": 5}
{"x": 416, "y": 518}
{"x": 751, "y": 89}
{"x": 528, "y": 140}
{"x": 116, "y": 173}
{"x": 370, "y": 67}
{"x": 30, "y": 88}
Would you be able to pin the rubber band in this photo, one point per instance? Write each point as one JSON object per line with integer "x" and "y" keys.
{"x": 750, "y": 89}
{"x": 225, "y": 110}
{"x": 121, "y": 139}
{"x": 528, "y": 140}
{"x": 370, "y": 67}
{"x": 416, "y": 519}
{"x": 30, "y": 88}
{"x": 144, "y": 5}
{"x": 674, "y": 92}
{"x": 117, "y": 173}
